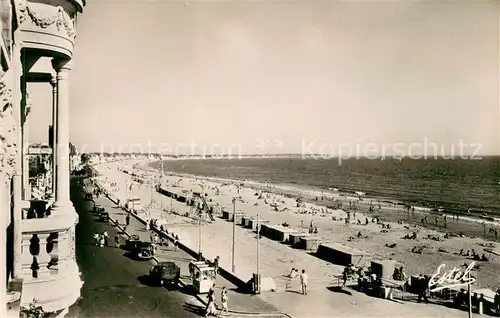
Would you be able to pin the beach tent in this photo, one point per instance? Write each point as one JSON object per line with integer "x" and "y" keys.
{"x": 488, "y": 294}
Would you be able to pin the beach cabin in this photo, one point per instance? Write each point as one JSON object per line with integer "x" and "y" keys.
{"x": 252, "y": 224}
{"x": 134, "y": 204}
{"x": 239, "y": 218}
{"x": 384, "y": 269}
{"x": 277, "y": 232}
{"x": 295, "y": 238}
{"x": 265, "y": 229}
{"x": 164, "y": 191}
{"x": 340, "y": 254}
{"x": 226, "y": 215}
{"x": 309, "y": 243}
{"x": 282, "y": 233}
{"x": 245, "y": 221}
{"x": 489, "y": 300}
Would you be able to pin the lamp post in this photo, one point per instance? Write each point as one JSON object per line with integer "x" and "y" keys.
{"x": 469, "y": 288}
{"x": 234, "y": 230}
{"x": 257, "y": 279}
{"x": 199, "y": 236}
{"x": 470, "y": 296}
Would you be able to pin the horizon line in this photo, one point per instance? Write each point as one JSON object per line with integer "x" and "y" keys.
{"x": 317, "y": 155}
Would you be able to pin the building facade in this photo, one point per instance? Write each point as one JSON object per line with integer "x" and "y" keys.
{"x": 38, "y": 249}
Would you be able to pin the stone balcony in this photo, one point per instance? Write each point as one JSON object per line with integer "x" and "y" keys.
{"x": 49, "y": 26}
{"x": 48, "y": 265}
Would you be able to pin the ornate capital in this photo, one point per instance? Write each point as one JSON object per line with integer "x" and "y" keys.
{"x": 53, "y": 82}
{"x": 62, "y": 65}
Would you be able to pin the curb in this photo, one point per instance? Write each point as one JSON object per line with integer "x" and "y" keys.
{"x": 117, "y": 224}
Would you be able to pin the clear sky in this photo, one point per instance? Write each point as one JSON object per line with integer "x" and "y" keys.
{"x": 280, "y": 76}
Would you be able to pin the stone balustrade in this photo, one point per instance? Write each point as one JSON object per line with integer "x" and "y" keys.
{"x": 48, "y": 259}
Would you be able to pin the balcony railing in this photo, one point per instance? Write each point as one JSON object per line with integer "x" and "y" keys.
{"x": 47, "y": 239}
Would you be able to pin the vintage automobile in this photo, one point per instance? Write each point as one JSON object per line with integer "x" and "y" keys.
{"x": 131, "y": 242}
{"x": 165, "y": 273}
{"x": 104, "y": 216}
{"x": 143, "y": 250}
{"x": 98, "y": 208}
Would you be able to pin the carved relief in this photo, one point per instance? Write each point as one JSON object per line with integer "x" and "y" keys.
{"x": 61, "y": 19}
{"x": 7, "y": 128}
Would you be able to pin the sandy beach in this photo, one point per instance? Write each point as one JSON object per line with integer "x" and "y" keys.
{"x": 277, "y": 259}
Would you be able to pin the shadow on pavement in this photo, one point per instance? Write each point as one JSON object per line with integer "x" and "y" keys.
{"x": 188, "y": 290}
{"x": 173, "y": 258}
{"x": 340, "y": 290}
{"x": 194, "y": 309}
{"x": 131, "y": 256}
{"x": 294, "y": 291}
{"x": 147, "y": 280}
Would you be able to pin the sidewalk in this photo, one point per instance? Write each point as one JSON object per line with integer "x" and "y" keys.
{"x": 239, "y": 303}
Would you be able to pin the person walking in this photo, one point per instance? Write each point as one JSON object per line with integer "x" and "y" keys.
{"x": 303, "y": 281}
{"x": 96, "y": 238}
{"x": 101, "y": 240}
{"x": 216, "y": 266}
{"x": 293, "y": 274}
{"x": 176, "y": 241}
{"x": 127, "y": 220}
{"x": 497, "y": 303}
{"x": 210, "y": 309}
{"x": 423, "y": 287}
{"x": 117, "y": 241}
{"x": 191, "y": 270}
{"x": 223, "y": 298}
{"x": 106, "y": 237}
{"x": 344, "y": 277}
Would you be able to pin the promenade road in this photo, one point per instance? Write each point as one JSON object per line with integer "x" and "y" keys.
{"x": 112, "y": 286}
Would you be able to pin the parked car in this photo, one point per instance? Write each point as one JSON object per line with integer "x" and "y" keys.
{"x": 165, "y": 273}
{"x": 98, "y": 208}
{"x": 131, "y": 242}
{"x": 143, "y": 250}
{"x": 104, "y": 216}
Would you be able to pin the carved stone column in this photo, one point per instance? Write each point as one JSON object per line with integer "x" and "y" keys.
{"x": 54, "y": 135}
{"x": 7, "y": 159}
{"x": 25, "y": 140}
{"x": 17, "y": 179}
{"x": 62, "y": 68}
